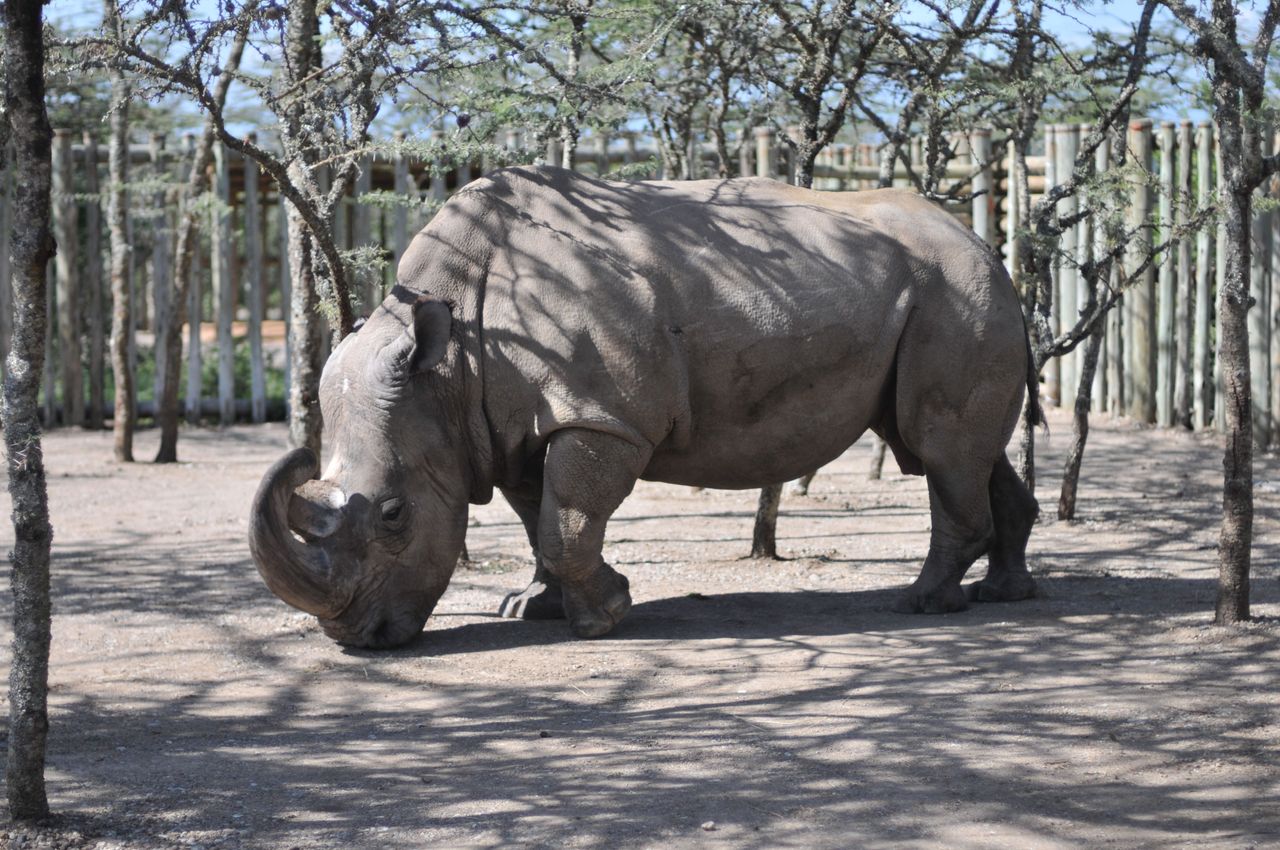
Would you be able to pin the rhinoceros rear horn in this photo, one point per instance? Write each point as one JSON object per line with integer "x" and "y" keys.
{"x": 303, "y": 574}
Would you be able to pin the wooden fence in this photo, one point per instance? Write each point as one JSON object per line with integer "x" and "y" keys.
{"x": 1158, "y": 356}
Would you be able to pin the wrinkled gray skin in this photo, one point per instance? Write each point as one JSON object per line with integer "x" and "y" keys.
{"x": 559, "y": 337}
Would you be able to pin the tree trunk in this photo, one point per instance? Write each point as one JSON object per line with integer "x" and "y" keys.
{"x": 305, "y": 340}
{"x": 876, "y": 468}
{"x": 1233, "y": 352}
{"x": 1080, "y": 425}
{"x": 764, "y": 542}
{"x": 117, "y": 212}
{"x": 31, "y": 248}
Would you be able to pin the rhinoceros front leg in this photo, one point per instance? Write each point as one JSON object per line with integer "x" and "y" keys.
{"x": 541, "y": 600}
{"x": 586, "y": 477}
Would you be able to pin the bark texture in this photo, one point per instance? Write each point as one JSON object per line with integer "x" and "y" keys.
{"x": 31, "y": 249}
{"x": 117, "y": 222}
{"x": 764, "y": 538}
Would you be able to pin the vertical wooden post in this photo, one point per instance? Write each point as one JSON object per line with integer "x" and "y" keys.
{"x": 984, "y": 204}
{"x": 601, "y": 142}
{"x": 67, "y": 261}
{"x": 362, "y": 236}
{"x": 630, "y": 154}
{"x": 766, "y": 166}
{"x": 256, "y": 289}
{"x": 161, "y": 260}
{"x": 1068, "y": 291}
{"x": 1202, "y": 357}
{"x": 1260, "y": 316}
{"x": 1220, "y": 276}
{"x": 1141, "y": 295}
{"x": 1166, "y": 295}
{"x": 1101, "y": 162}
{"x": 439, "y": 188}
{"x": 91, "y": 291}
{"x": 1011, "y": 202}
{"x": 286, "y": 296}
{"x": 224, "y": 285}
{"x": 6, "y": 287}
{"x": 1274, "y": 309}
{"x": 50, "y": 366}
{"x": 195, "y": 317}
{"x": 1053, "y": 367}
{"x": 400, "y": 218}
{"x": 1183, "y": 390}
{"x": 1116, "y": 340}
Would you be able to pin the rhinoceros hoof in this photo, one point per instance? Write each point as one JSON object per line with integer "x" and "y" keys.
{"x": 938, "y": 600}
{"x": 538, "y": 601}
{"x": 599, "y": 604}
{"x": 1007, "y": 588}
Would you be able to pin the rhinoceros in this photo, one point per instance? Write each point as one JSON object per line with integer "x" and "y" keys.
{"x": 559, "y": 337}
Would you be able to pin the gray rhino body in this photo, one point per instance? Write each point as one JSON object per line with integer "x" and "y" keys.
{"x": 559, "y": 337}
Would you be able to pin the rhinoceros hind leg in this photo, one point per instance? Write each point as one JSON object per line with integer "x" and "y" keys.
{"x": 1014, "y": 511}
{"x": 541, "y": 600}
{"x": 962, "y": 533}
{"x": 587, "y": 475}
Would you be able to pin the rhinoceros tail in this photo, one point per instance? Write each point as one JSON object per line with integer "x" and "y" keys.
{"x": 1035, "y": 413}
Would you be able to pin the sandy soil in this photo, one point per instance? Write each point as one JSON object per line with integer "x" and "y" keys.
{"x": 742, "y": 704}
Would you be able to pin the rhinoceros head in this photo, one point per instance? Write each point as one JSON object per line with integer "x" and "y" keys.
{"x": 369, "y": 546}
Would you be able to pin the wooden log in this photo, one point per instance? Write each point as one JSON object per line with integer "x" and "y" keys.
{"x": 6, "y": 285}
{"x": 362, "y": 237}
{"x": 1101, "y": 162}
{"x": 161, "y": 260}
{"x": 1142, "y": 294}
{"x": 255, "y": 287}
{"x": 766, "y": 153}
{"x": 1053, "y": 368}
{"x": 1011, "y": 205}
{"x": 1274, "y": 310}
{"x": 286, "y": 293}
{"x": 984, "y": 202}
{"x": 1183, "y": 389}
{"x": 1166, "y": 295}
{"x": 400, "y": 216}
{"x": 50, "y": 406}
{"x": 1065, "y": 151}
{"x": 67, "y": 270}
{"x": 223, "y": 283}
{"x": 1259, "y": 317}
{"x": 91, "y": 289}
{"x": 195, "y": 352}
{"x": 1202, "y": 357}
{"x": 1220, "y": 276}
{"x": 746, "y": 167}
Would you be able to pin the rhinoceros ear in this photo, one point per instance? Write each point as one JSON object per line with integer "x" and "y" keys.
{"x": 432, "y": 321}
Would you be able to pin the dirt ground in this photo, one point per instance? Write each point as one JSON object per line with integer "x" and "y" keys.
{"x": 742, "y": 704}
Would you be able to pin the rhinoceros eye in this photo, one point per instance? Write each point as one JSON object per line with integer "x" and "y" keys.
{"x": 392, "y": 510}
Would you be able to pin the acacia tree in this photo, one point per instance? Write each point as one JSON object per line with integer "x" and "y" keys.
{"x": 1238, "y": 79}
{"x": 1034, "y": 81}
{"x": 31, "y": 248}
{"x": 334, "y": 67}
{"x": 122, "y": 423}
{"x": 186, "y": 245}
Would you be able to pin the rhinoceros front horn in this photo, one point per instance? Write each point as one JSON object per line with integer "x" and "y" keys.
{"x": 303, "y": 574}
